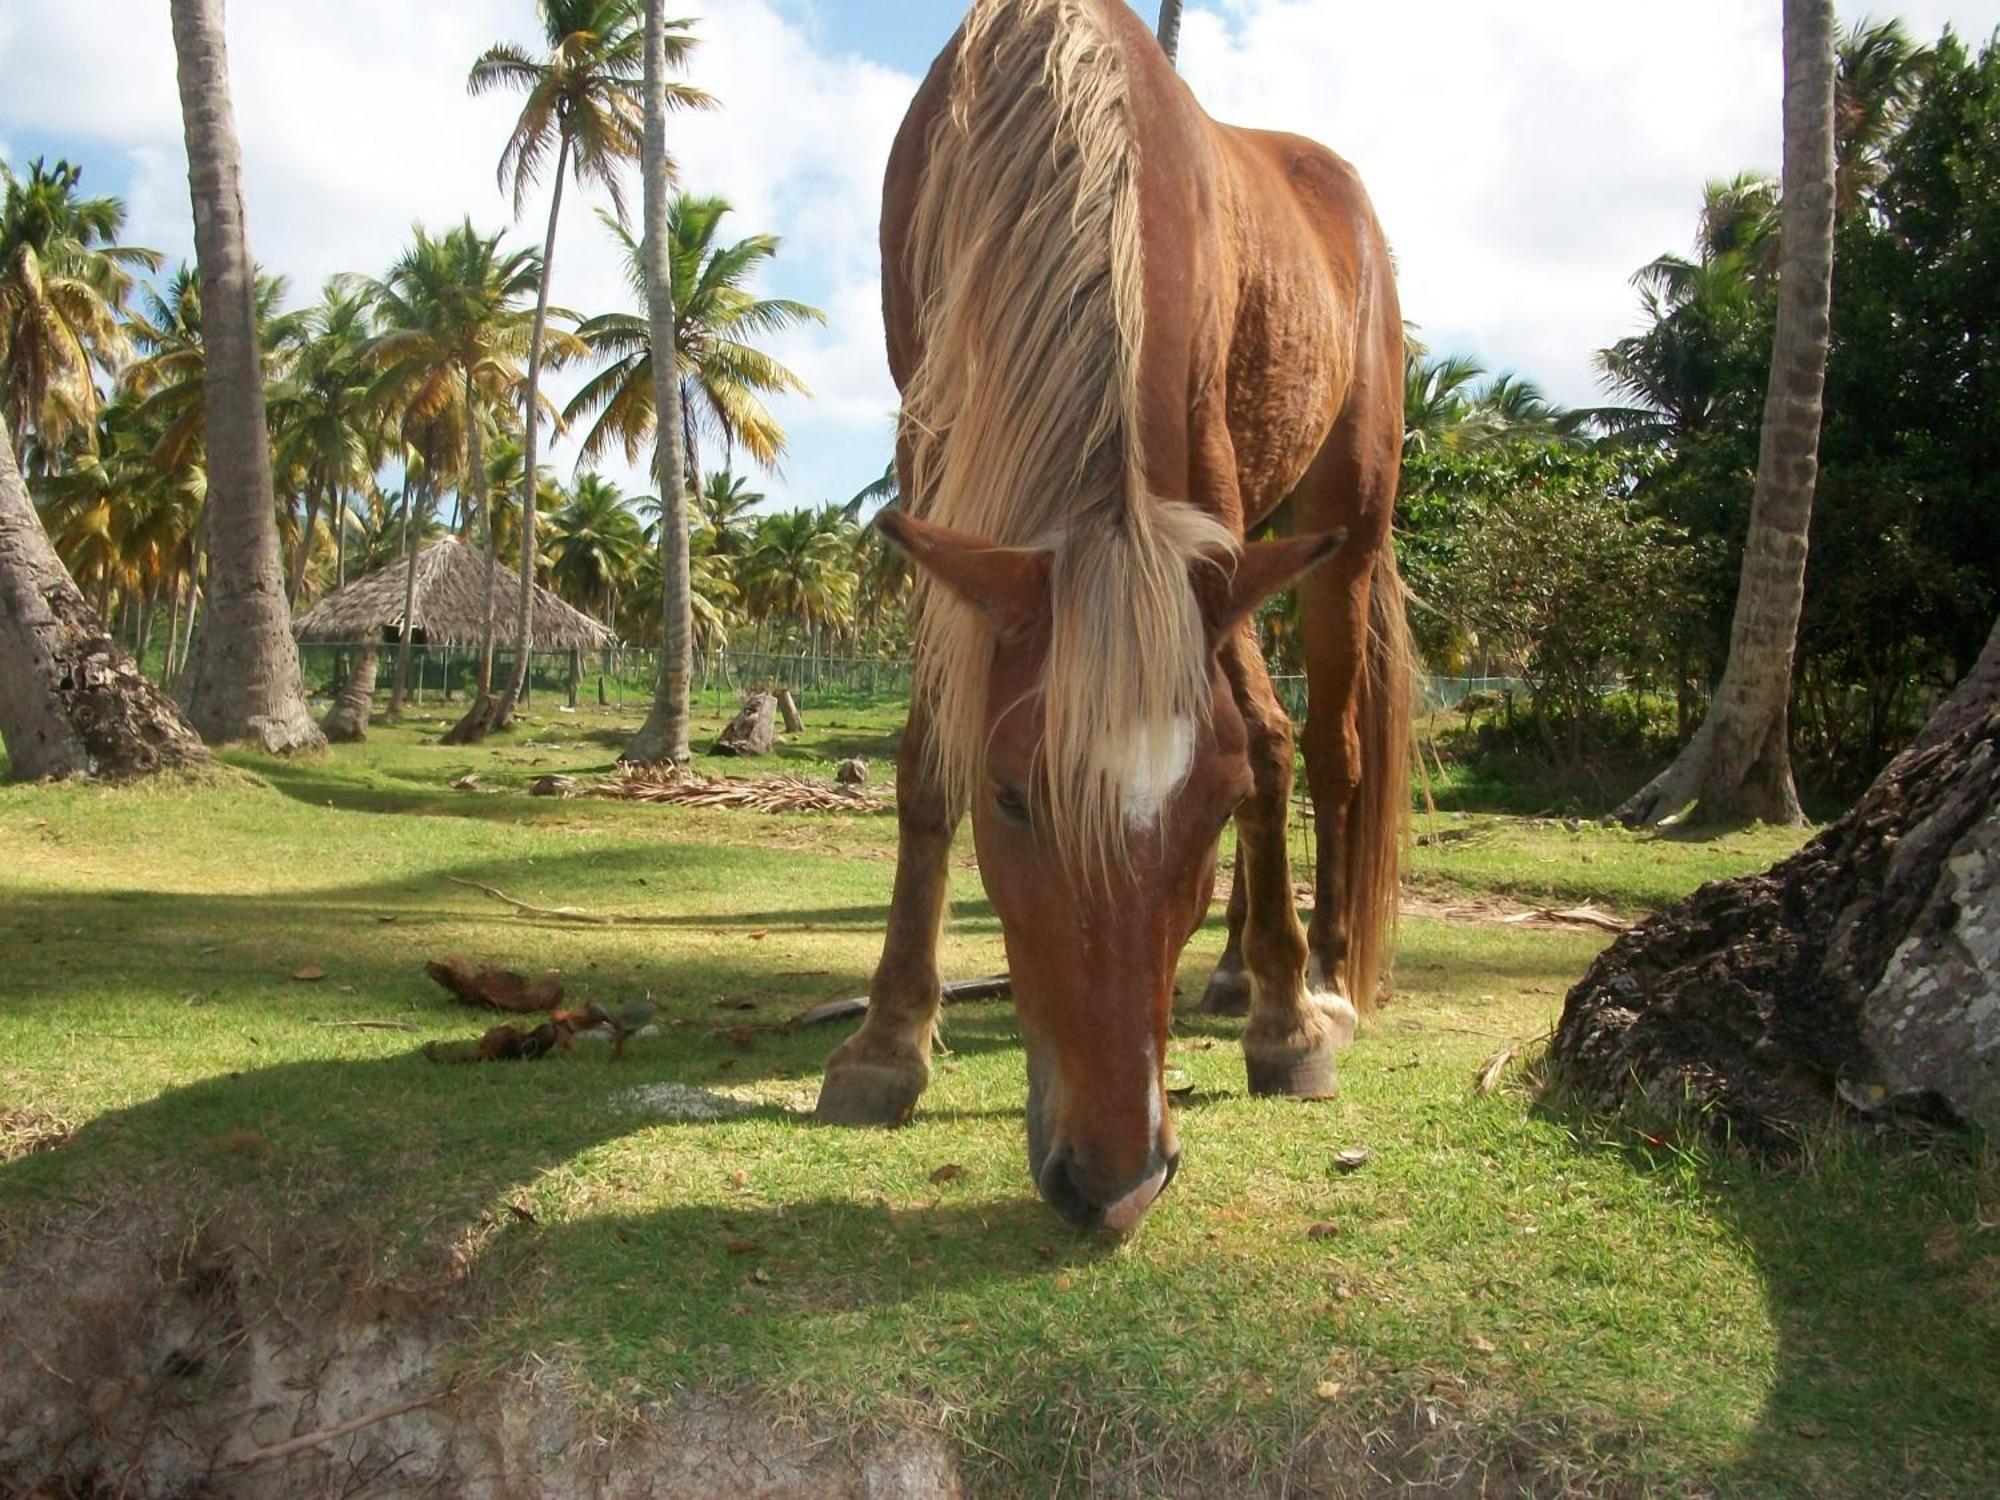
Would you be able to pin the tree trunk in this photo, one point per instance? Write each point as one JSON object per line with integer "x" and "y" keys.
{"x": 399, "y": 694}
{"x": 304, "y": 550}
{"x": 339, "y": 539}
{"x": 347, "y": 724}
{"x": 71, "y": 703}
{"x": 1738, "y": 765}
{"x": 1170, "y": 29}
{"x": 1859, "y": 972}
{"x": 531, "y": 427}
{"x": 244, "y": 683}
{"x": 664, "y": 736}
{"x": 754, "y": 730}
{"x": 478, "y": 719}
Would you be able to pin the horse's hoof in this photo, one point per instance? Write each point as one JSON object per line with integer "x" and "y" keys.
{"x": 1293, "y": 1073}
{"x": 1228, "y": 994}
{"x": 868, "y": 1094}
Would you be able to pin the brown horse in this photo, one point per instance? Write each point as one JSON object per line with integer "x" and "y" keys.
{"x": 1124, "y": 334}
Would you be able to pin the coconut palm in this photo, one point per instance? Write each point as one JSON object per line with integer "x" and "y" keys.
{"x": 1882, "y": 72}
{"x": 169, "y": 372}
{"x": 71, "y": 704}
{"x": 244, "y": 678}
{"x": 1170, "y": 28}
{"x": 63, "y": 285}
{"x": 800, "y": 572}
{"x": 724, "y": 378}
{"x": 455, "y": 324}
{"x": 582, "y": 108}
{"x": 331, "y": 427}
{"x": 595, "y": 546}
{"x": 1738, "y": 764}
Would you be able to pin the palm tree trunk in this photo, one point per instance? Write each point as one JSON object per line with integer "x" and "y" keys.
{"x": 531, "y": 428}
{"x": 245, "y": 682}
{"x": 304, "y": 549}
{"x": 71, "y": 702}
{"x": 1738, "y": 765}
{"x": 399, "y": 694}
{"x": 1170, "y": 28}
{"x": 664, "y": 736}
{"x": 475, "y": 462}
{"x": 340, "y": 518}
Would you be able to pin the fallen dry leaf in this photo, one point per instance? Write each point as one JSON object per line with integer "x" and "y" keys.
{"x": 1327, "y": 1389}
{"x": 951, "y": 1171}
{"x": 1351, "y": 1160}
{"x": 308, "y": 973}
{"x": 1483, "y": 1345}
{"x": 737, "y": 1245}
{"x": 739, "y": 1179}
{"x": 496, "y": 989}
{"x": 1325, "y": 1229}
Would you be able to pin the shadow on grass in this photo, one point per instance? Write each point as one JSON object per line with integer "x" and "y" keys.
{"x": 1885, "y": 1304}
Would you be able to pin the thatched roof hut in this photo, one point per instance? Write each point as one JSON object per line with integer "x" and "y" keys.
{"x": 450, "y": 608}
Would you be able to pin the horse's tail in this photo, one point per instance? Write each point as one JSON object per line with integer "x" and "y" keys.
{"x": 1379, "y": 823}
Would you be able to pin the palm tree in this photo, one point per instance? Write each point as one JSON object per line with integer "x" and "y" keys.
{"x": 581, "y": 106}
{"x": 330, "y": 424}
{"x": 1738, "y": 765}
{"x": 71, "y": 702}
{"x": 455, "y": 325}
{"x": 244, "y": 679}
{"x": 595, "y": 546}
{"x": 800, "y": 571}
{"x": 1170, "y": 28}
{"x": 1882, "y": 73}
{"x": 63, "y": 285}
{"x": 723, "y": 377}
{"x": 664, "y": 735}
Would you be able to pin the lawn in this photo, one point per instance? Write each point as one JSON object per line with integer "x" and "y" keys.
{"x": 1577, "y": 1304}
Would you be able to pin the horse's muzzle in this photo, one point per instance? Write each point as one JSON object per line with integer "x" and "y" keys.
{"x": 1071, "y": 1192}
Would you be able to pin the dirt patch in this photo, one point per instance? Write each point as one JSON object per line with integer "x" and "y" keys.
{"x": 167, "y": 1357}
{"x": 164, "y": 1360}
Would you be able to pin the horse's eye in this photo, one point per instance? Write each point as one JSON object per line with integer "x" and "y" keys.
{"x": 1011, "y": 803}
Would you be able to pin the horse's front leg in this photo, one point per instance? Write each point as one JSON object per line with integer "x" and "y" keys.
{"x": 876, "y": 1076}
{"x": 1293, "y": 1032}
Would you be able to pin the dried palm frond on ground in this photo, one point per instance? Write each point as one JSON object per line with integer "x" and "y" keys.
{"x": 773, "y": 794}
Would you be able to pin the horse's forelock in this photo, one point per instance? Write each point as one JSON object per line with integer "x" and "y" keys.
{"x": 1021, "y": 420}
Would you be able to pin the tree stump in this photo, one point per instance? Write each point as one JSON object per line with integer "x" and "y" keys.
{"x": 477, "y": 723}
{"x": 1859, "y": 973}
{"x": 788, "y": 708}
{"x": 347, "y": 723}
{"x": 754, "y": 730}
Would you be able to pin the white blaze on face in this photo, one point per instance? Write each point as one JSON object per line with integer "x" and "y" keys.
{"x": 1149, "y": 762}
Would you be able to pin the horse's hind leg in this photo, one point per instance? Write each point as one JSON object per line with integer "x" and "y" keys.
{"x": 1289, "y": 1044}
{"x": 877, "y": 1075}
{"x": 1228, "y": 992}
{"x": 1352, "y": 484}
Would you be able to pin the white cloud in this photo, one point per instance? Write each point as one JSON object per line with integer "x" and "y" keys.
{"x": 355, "y": 124}
{"x": 1524, "y": 159}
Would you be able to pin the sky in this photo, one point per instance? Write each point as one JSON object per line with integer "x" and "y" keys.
{"x": 1524, "y": 159}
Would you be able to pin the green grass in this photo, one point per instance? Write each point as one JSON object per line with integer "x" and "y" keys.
{"x": 1592, "y": 1308}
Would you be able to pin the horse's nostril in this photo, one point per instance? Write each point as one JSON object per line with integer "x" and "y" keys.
{"x": 1062, "y": 1192}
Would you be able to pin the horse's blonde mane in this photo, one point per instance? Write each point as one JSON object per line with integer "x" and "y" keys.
{"x": 1022, "y": 420}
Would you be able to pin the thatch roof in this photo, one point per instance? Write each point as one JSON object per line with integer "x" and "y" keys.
{"x": 450, "y": 609}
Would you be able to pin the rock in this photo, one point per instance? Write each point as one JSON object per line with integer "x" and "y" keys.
{"x": 852, "y": 772}
{"x": 556, "y": 786}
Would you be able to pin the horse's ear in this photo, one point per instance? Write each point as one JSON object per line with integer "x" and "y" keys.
{"x": 1263, "y": 569}
{"x": 1009, "y": 585}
